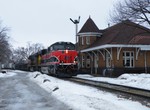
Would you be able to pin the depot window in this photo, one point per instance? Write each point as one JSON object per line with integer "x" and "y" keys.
{"x": 82, "y": 40}
{"x": 128, "y": 59}
{"x": 88, "y": 40}
{"x": 83, "y": 61}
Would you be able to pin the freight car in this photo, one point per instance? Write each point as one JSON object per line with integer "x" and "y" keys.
{"x": 60, "y": 59}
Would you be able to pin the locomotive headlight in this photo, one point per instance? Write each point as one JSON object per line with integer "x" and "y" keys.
{"x": 66, "y": 51}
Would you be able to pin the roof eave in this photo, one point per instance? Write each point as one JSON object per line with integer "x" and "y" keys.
{"x": 89, "y": 34}
{"x": 142, "y": 47}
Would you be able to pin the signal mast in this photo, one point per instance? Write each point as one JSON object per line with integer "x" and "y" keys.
{"x": 76, "y": 22}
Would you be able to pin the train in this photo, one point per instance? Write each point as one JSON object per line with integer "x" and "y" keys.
{"x": 59, "y": 59}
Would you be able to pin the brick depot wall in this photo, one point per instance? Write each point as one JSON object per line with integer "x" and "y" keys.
{"x": 92, "y": 40}
{"x": 117, "y": 65}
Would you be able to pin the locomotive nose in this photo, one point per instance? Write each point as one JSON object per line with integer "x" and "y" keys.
{"x": 67, "y": 59}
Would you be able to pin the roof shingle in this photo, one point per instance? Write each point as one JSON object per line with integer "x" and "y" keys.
{"x": 89, "y": 26}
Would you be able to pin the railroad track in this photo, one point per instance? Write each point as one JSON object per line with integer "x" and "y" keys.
{"x": 116, "y": 87}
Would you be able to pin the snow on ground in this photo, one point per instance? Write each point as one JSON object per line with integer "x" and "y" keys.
{"x": 134, "y": 80}
{"x": 7, "y": 74}
{"x": 81, "y": 97}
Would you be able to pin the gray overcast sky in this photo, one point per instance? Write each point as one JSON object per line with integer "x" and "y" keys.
{"x": 47, "y": 21}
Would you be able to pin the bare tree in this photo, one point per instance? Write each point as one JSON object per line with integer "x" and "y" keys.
{"x": 21, "y": 54}
{"x": 135, "y": 10}
{"x": 5, "y": 51}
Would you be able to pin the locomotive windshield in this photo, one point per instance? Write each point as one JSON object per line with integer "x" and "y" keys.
{"x": 58, "y": 47}
{"x": 63, "y": 46}
{"x": 70, "y": 47}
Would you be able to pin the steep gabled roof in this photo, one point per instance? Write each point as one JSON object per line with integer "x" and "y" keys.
{"x": 124, "y": 33}
{"x": 140, "y": 40}
{"x": 89, "y": 26}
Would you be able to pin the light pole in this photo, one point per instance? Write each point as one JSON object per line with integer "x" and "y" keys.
{"x": 76, "y": 22}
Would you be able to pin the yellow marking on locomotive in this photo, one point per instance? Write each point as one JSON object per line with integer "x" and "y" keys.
{"x": 39, "y": 59}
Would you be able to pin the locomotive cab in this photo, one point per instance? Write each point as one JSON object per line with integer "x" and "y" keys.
{"x": 61, "y": 59}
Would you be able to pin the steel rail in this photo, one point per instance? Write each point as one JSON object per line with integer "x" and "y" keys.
{"x": 116, "y": 87}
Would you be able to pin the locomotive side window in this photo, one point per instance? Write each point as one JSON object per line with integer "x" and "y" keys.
{"x": 51, "y": 48}
{"x": 44, "y": 51}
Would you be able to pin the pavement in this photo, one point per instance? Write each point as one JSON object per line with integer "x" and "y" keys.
{"x": 20, "y": 93}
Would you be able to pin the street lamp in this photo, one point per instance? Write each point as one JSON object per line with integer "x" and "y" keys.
{"x": 76, "y": 22}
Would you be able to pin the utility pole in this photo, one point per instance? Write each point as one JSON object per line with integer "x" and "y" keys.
{"x": 76, "y": 22}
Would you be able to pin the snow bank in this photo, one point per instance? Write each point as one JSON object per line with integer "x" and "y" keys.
{"x": 80, "y": 97}
{"x": 134, "y": 80}
{"x": 7, "y": 74}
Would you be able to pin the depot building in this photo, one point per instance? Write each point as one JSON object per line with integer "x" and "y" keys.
{"x": 121, "y": 48}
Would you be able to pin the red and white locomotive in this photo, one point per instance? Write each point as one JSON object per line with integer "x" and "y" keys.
{"x": 60, "y": 59}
